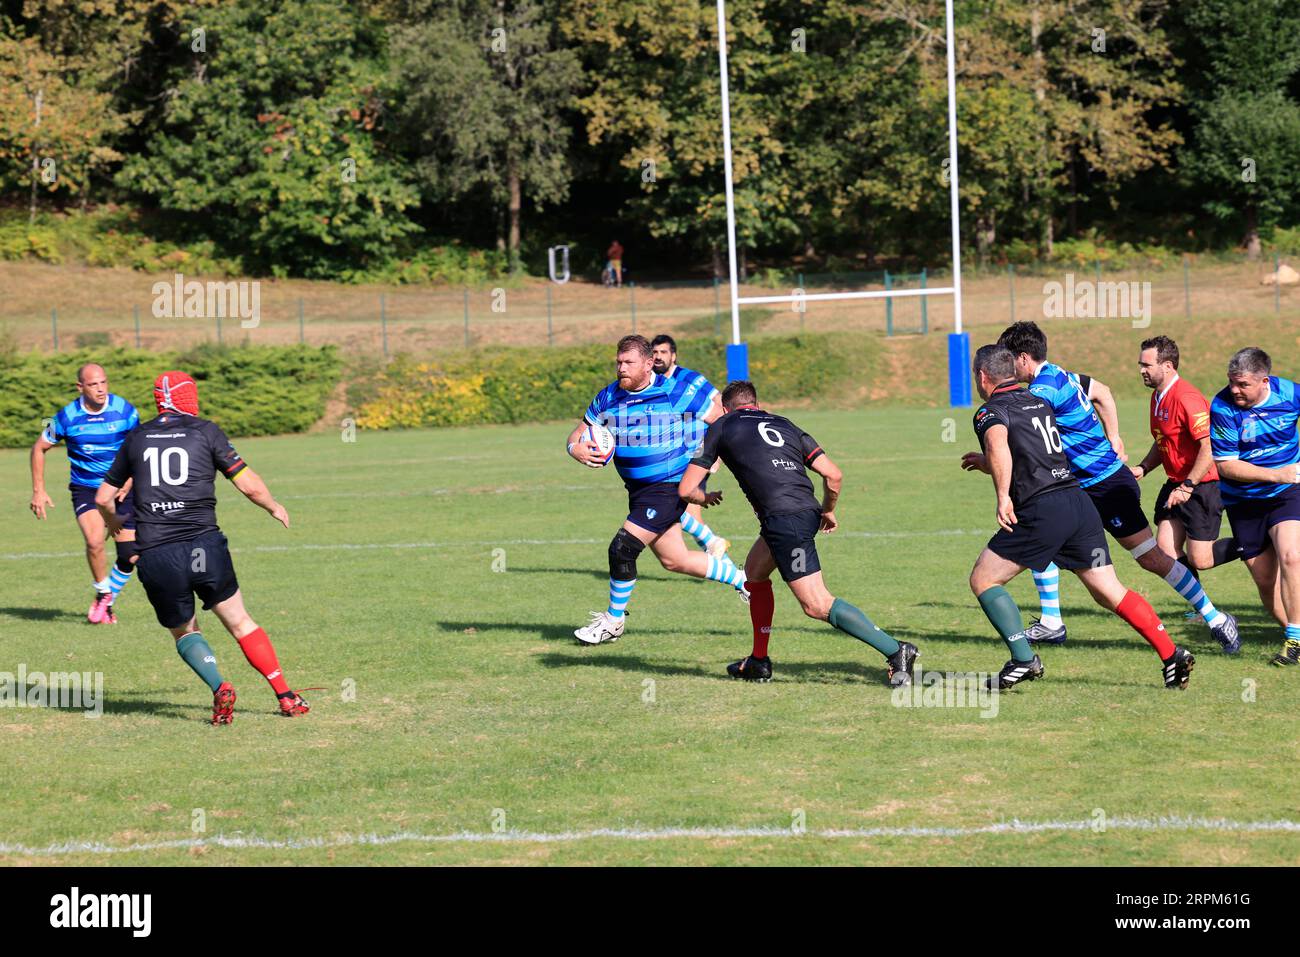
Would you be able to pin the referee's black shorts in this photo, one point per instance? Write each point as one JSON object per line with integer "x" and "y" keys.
{"x": 1201, "y": 515}
{"x": 172, "y": 574}
{"x": 1060, "y": 526}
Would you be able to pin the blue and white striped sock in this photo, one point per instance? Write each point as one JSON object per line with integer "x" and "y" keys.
{"x": 697, "y": 530}
{"x": 1292, "y": 633}
{"x": 1048, "y": 582}
{"x": 619, "y": 593}
{"x": 726, "y": 571}
{"x": 117, "y": 579}
{"x": 1185, "y": 583}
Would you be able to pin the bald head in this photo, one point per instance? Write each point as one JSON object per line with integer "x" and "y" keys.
{"x": 92, "y": 383}
{"x": 91, "y": 370}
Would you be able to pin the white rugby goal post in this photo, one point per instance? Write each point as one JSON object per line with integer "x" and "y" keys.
{"x": 959, "y": 372}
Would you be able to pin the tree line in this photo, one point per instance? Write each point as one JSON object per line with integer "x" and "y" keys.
{"x": 313, "y": 137}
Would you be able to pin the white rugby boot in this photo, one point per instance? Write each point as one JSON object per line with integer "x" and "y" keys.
{"x": 602, "y": 628}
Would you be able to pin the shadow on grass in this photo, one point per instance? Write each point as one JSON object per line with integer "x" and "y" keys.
{"x": 1256, "y": 625}
{"x": 656, "y": 575}
{"x": 802, "y": 672}
{"x": 557, "y": 632}
{"x": 40, "y": 695}
{"x": 154, "y": 709}
{"x": 599, "y": 573}
{"x": 41, "y": 614}
{"x": 147, "y": 703}
{"x": 838, "y": 672}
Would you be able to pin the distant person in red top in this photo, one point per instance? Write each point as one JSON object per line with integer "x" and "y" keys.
{"x": 615, "y": 256}
{"x": 1188, "y": 509}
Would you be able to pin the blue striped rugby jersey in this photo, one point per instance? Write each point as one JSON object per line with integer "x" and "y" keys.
{"x": 1263, "y": 435}
{"x": 92, "y": 438}
{"x": 1092, "y": 457}
{"x": 653, "y": 428}
{"x": 697, "y": 428}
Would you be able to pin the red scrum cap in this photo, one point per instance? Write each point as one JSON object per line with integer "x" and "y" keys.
{"x": 176, "y": 392}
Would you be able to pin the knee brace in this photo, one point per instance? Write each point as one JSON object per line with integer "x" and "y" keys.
{"x": 623, "y": 552}
{"x": 126, "y": 552}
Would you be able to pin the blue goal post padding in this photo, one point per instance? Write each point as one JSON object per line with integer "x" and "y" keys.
{"x": 959, "y": 371}
{"x": 737, "y": 361}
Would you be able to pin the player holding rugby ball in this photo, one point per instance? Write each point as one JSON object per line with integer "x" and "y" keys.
{"x": 651, "y": 418}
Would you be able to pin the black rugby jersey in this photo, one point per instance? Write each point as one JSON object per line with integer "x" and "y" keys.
{"x": 768, "y": 454}
{"x": 1038, "y": 462}
{"x": 174, "y": 459}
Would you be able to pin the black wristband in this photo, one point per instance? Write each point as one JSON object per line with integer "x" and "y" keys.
{"x": 1188, "y": 484}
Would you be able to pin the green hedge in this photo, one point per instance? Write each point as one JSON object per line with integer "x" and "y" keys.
{"x": 510, "y": 385}
{"x": 248, "y": 390}
{"x": 125, "y": 237}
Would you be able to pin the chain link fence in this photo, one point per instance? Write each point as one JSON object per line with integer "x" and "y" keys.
{"x": 119, "y": 308}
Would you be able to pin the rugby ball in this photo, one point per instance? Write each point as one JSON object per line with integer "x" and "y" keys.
{"x": 604, "y": 440}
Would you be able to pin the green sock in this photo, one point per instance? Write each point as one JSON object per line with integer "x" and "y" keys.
{"x": 196, "y": 653}
{"x": 849, "y": 619}
{"x": 1005, "y": 615}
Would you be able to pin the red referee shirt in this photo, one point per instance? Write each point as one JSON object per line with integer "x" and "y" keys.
{"x": 1180, "y": 418}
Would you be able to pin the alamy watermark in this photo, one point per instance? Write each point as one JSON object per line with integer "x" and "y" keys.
{"x": 76, "y": 690}
{"x": 949, "y": 689}
{"x": 1088, "y": 299}
{"x": 74, "y": 909}
{"x": 182, "y": 299}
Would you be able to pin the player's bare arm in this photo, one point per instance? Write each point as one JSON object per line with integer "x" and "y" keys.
{"x": 1235, "y": 470}
{"x": 1204, "y": 459}
{"x": 584, "y": 452}
{"x": 1149, "y": 462}
{"x": 832, "y": 482}
{"x": 40, "y": 499}
{"x": 255, "y": 490}
{"x": 999, "y": 459}
{"x": 1103, "y": 400}
{"x": 689, "y": 487}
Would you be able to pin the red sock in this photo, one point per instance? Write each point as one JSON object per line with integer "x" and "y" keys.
{"x": 761, "y": 606}
{"x": 1137, "y": 611}
{"x": 258, "y": 650}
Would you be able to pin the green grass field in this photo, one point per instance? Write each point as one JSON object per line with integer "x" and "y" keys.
{"x": 474, "y": 708}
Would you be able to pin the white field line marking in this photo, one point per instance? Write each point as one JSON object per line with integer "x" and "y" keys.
{"x": 657, "y": 834}
{"x": 415, "y": 493}
{"x": 488, "y": 543}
